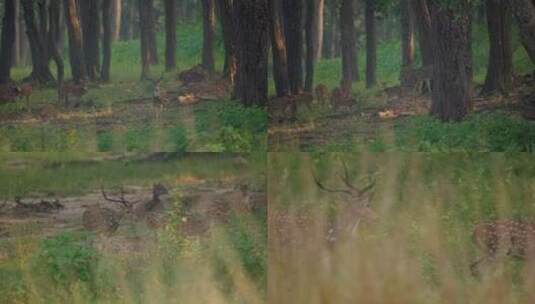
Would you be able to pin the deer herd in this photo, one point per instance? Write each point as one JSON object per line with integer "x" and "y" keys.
{"x": 495, "y": 240}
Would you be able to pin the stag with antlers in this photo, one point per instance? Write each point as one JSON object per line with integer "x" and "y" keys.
{"x": 357, "y": 206}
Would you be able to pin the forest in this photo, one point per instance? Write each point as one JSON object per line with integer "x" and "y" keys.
{"x": 267, "y": 151}
{"x": 215, "y": 76}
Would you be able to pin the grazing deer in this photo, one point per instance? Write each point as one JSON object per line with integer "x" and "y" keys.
{"x": 417, "y": 81}
{"x": 76, "y": 90}
{"x": 25, "y": 91}
{"x": 102, "y": 219}
{"x": 341, "y": 99}
{"x": 322, "y": 93}
{"x": 159, "y": 98}
{"x": 505, "y": 237}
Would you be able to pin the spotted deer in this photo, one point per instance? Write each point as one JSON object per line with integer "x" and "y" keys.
{"x": 416, "y": 80}
{"x": 107, "y": 220}
{"x": 341, "y": 99}
{"x": 503, "y": 238}
{"x": 25, "y": 91}
{"x": 73, "y": 90}
{"x": 322, "y": 93}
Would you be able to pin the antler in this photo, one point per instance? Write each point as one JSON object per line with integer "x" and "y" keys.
{"x": 121, "y": 199}
{"x": 351, "y": 189}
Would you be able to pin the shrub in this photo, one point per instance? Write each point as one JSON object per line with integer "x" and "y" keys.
{"x": 104, "y": 141}
{"x": 179, "y": 139}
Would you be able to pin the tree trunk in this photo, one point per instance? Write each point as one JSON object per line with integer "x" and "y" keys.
{"x": 89, "y": 10}
{"x": 76, "y": 51}
{"x": 318, "y": 28}
{"x": 451, "y": 71}
{"x": 500, "y": 68}
{"x": 106, "y": 39}
{"x": 407, "y": 34}
{"x": 371, "y": 45}
{"x": 293, "y": 21}
{"x": 310, "y": 36}
{"x": 280, "y": 59}
{"x": 127, "y": 20}
{"x": 347, "y": 23}
{"x": 55, "y": 19}
{"x": 330, "y": 32}
{"x": 153, "y": 46}
{"x": 117, "y": 11}
{"x": 170, "y": 35}
{"x": 524, "y": 11}
{"x": 17, "y": 51}
{"x": 40, "y": 71}
{"x": 8, "y": 41}
{"x": 423, "y": 22}
{"x": 252, "y": 29}
{"x": 227, "y": 25}
{"x": 208, "y": 10}
{"x": 145, "y": 9}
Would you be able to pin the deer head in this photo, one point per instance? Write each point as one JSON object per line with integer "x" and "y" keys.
{"x": 356, "y": 205}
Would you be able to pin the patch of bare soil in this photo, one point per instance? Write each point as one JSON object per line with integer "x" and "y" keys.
{"x": 204, "y": 205}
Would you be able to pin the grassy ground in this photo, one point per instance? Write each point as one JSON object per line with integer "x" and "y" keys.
{"x": 419, "y": 249}
{"x": 495, "y": 131}
{"x": 133, "y": 265}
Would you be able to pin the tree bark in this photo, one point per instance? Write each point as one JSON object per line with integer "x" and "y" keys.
{"x": 170, "y": 35}
{"x": 524, "y": 11}
{"x": 500, "y": 67}
{"x": 208, "y": 35}
{"x": 451, "y": 92}
{"x": 76, "y": 51}
{"x": 55, "y": 18}
{"x": 145, "y": 9}
{"x": 371, "y": 45}
{"x": 318, "y": 28}
{"x": 280, "y": 59}
{"x": 347, "y": 23}
{"x": 310, "y": 36}
{"x": 331, "y": 33}
{"x": 40, "y": 69}
{"x": 293, "y": 21}
{"x": 127, "y": 20}
{"x": 151, "y": 22}
{"x": 423, "y": 23}
{"x": 252, "y": 29}
{"x": 117, "y": 11}
{"x": 89, "y": 10}
{"x": 227, "y": 25}
{"x": 407, "y": 34}
{"x": 107, "y": 38}
{"x": 8, "y": 41}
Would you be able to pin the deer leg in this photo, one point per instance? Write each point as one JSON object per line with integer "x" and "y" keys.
{"x": 28, "y": 104}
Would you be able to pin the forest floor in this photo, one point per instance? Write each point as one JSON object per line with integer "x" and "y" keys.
{"x": 213, "y": 220}
{"x": 376, "y": 121}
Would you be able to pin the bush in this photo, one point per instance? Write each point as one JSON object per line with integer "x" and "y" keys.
{"x": 137, "y": 139}
{"x": 104, "y": 141}
{"x": 66, "y": 259}
{"x": 237, "y": 116}
{"x": 480, "y": 132}
{"x": 179, "y": 139}
{"x": 235, "y": 140}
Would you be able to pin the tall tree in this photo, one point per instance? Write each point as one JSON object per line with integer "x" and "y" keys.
{"x": 225, "y": 9}
{"x": 310, "y": 36}
{"x": 371, "y": 44}
{"x": 451, "y": 92}
{"x": 170, "y": 35}
{"x": 500, "y": 68}
{"x": 318, "y": 27}
{"x": 423, "y": 23}
{"x": 208, "y": 9}
{"x": 145, "y": 9}
{"x": 151, "y": 30}
{"x": 293, "y": 21}
{"x": 8, "y": 41}
{"x": 106, "y": 39}
{"x": 280, "y": 57}
{"x": 347, "y": 28}
{"x": 331, "y": 33}
{"x": 524, "y": 11}
{"x": 90, "y": 13}
{"x": 407, "y": 34}
{"x": 117, "y": 12}
{"x": 38, "y": 46}
{"x": 76, "y": 51}
{"x": 54, "y": 17}
{"x": 252, "y": 36}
